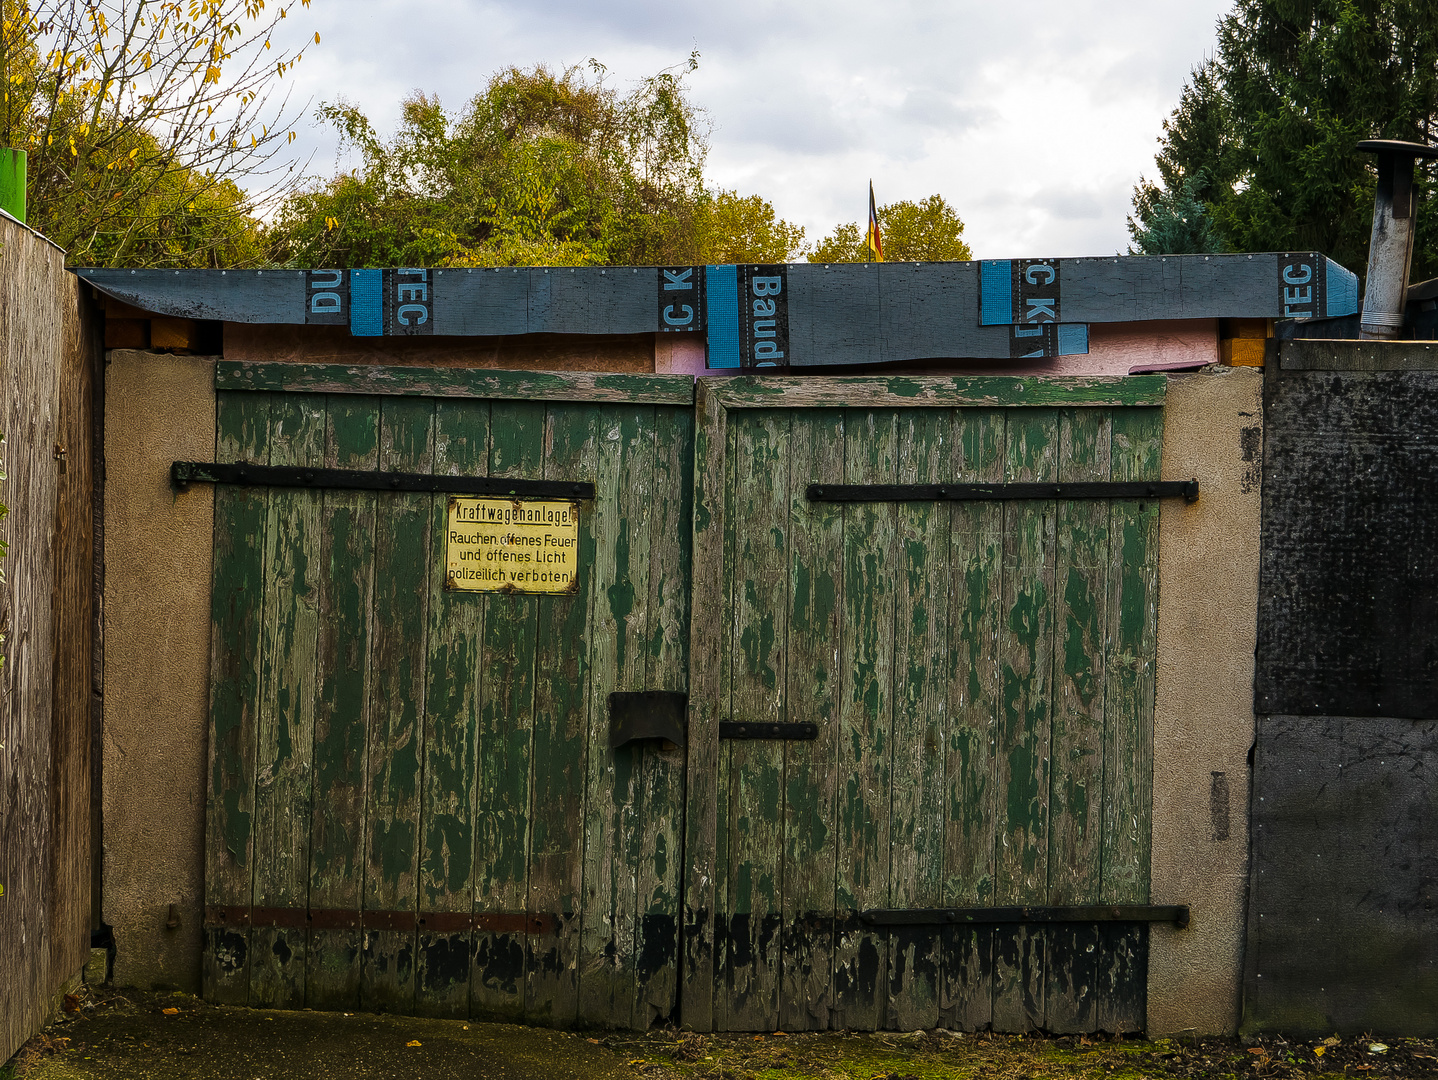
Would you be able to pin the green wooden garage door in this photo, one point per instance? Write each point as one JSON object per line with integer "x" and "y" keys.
{"x": 413, "y": 802}
{"x": 981, "y": 679}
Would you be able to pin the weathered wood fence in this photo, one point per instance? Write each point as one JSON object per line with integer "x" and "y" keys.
{"x": 49, "y": 356}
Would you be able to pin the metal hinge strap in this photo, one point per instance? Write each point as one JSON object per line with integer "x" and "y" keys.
{"x": 184, "y": 473}
{"x": 1135, "y": 913}
{"x": 1080, "y": 489}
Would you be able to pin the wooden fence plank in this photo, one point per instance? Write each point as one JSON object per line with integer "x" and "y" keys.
{"x": 707, "y": 659}
{"x": 346, "y": 592}
{"x": 1026, "y": 650}
{"x": 397, "y": 687}
{"x": 916, "y": 838}
{"x": 285, "y": 747}
{"x": 506, "y": 717}
{"x": 237, "y": 609}
{"x": 754, "y": 771}
{"x": 607, "y": 981}
{"x": 561, "y": 728}
{"x": 446, "y": 822}
{"x": 1076, "y": 753}
{"x": 866, "y": 719}
{"x": 661, "y": 768}
{"x": 816, "y": 558}
{"x": 1128, "y": 748}
{"x": 975, "y": 609}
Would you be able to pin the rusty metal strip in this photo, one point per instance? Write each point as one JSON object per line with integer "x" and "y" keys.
{"x": 446, "y": 922}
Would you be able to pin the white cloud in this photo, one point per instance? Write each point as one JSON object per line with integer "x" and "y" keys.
{"x": 1034, "y": 120}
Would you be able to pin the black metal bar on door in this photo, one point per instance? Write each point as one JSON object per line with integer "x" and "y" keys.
{"x": 184, "y": 473}
{"x": 747, "y": 729}
{"x": 1079, "y": 489}
{"x": 1177, "y": 914}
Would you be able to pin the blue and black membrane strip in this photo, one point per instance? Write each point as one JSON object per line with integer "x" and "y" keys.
{"x": 769, "y": 316}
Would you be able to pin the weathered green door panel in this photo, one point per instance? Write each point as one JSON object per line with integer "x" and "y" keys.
{"x": 977, "y": 745}
{"x": 447, "y": 807}
{"x": 556, "y": 879}
{"x": 237, "y": 606}
{"x": 422, "y": 776}
{"x": 397, "y": 684}
{"x": 288, "y": 694}
{"x": 811, "y": 695}
{"x": 346, "y": 596}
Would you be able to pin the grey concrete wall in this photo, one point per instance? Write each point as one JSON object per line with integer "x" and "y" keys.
{"x": 158, "y": 409}
{"x": 1203, "y": 715}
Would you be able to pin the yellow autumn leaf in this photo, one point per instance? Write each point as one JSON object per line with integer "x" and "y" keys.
{"x": 413, "y": 1042}
{"x": 171, "y": 1011}
{"x": 1319, "y": 1051}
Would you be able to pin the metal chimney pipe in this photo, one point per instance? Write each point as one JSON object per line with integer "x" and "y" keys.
{"x": 1390, "y": 252}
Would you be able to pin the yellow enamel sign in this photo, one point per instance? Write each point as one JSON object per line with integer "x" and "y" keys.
{"x": 504, "y": 545}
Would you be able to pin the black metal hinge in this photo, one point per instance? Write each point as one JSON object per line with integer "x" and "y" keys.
{"x": 748, "y": 730}
{"x": 1136, "y": 913}
{"x": 1081, "y": 489}
{"x": 185, "y": 473}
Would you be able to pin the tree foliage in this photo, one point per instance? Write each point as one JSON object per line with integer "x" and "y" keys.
{"x": 542, "y": 167}
{"x": 1173, "y": 222}
{"x": 140, "y": 116}
{"x": 925, "y": 231}
{"x": 1263, "y": 134}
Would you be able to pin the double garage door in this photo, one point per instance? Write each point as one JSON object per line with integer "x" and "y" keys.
{"x": 916, "y": 754}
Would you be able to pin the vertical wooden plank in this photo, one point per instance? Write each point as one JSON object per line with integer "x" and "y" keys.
{"x": 816, "y": 547}
{"x": 506, "y": 718}
{"x": 865, "y": 724}
{"x": 285, "y": 745}
{"x": 397, "y": 684}
{"x": 969, "y": 851}
{"x": 346, "y": 588}
{"x": 1076, "y": 751}
{"x": 661, "y": 768}
{"x": 706, "y": 706}
{"x": 755, "y": 774}
{"x": 916, "y": 831}
{"x": 561, "y": 727}
{"x": 725, "y": 634}
{"x": 1026, "y": 651}
{"x": 237, "y": 608}
{"x": 607, "y": 981}
{"x": 975, "y": 682}
{"x": 446, "y": 829}
{"x": 1128, "y": 744}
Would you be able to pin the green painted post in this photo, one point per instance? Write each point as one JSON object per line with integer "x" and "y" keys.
{"x": 12, "y": 182}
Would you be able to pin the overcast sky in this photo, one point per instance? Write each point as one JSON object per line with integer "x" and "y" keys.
{"x": 1034, "y": 118}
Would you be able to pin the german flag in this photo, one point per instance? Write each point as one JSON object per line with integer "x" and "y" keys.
{"x": 872, "y": 240}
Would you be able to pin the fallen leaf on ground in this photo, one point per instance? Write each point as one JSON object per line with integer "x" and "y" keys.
{"x": 412, "y": 1042}
{"x": 171, "y": 1011}
{"x": 1319, "y": 1050}
{"x": 1377, "y": 1048}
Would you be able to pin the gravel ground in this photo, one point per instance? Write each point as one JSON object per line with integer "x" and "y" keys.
{"x": 120, "y": 1036}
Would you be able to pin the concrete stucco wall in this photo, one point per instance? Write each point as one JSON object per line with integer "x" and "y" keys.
{"x": 1203, "y": 715}
{"x": 158, "y": 409}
